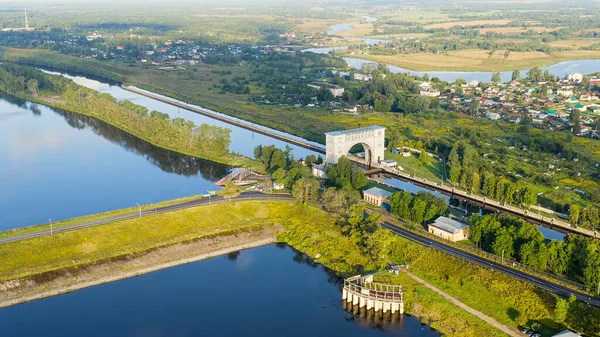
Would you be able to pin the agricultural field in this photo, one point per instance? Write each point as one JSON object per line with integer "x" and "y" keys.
{"x": 447, "y": 25}
{"x": 479, "y": 60}
{"x": 361, "y": 29}
{"x": 573, "y": 44}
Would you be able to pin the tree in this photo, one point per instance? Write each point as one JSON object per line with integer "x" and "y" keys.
{"x": 454, "y": 163}
{"x": 345, "y": 175}
{"x": 475, "y": 182}
{"x": 516, "y": 75}
{"x": 310, "y": 159}
{"x": 424, "y": 158}
{"x": 231, "y": 190}
{"x": 338, "y": 202}
{"x": 574, "y": 214}
{"x": 474, "y": 106}
{"x": 503, "y": 245}
{"x": 561, "y": 309}
{"x": 576, "y": 120}
{"x": 535, "y": 74}
{"x": 496, "y": 78}
{"x": 32, "y": 85}
{"x": 306, "y": 189}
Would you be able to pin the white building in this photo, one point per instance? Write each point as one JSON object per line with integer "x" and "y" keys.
{"x": 336, "y": 90}
{"x": 575, "y": 77}
{"x": 565, "y": 91}
{"x": 567, "y": 333}
{"x": 492, "y": 115}
{"x": 429, "y": 92}
{"x": 448, "y": 229}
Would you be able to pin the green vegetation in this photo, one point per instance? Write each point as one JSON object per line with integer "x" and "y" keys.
{"x": 205, "y": 141}
{"x": 576, "y": 256}
{"x": 95, "y": 217}
{"x": 136, "y": 236}
{"x": 421, "y": 208}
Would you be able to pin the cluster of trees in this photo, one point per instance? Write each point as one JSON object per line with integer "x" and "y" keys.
{"x": 467, "y": 170}
{"x": 292, "y": 175}
{"x": 206, "y": 141}
{"x": 504, "y": 235}
{"x": 421, "y": 208}
{"x": 589, "y": 217}
{"x": 344, "y": 175}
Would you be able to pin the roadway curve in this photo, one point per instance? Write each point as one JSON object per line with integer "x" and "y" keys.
{"x": 163, "y": 209}
{"x": 553, "y": 287}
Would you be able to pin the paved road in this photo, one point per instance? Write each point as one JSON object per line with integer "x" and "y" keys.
{"x": 557, "y": 289}
{"x": 188, "y": 204}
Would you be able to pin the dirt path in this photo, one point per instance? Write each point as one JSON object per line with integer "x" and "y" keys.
{"x": 493, "y": 322}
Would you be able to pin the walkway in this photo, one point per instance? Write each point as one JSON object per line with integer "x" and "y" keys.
{"x": 491, "y": 321}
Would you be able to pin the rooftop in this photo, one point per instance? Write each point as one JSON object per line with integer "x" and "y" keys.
{"x": 448, "y": 225}
{"x": 377, "y": 192}
{"x": 348, "y": 132}
{"x": 567, "y": 333}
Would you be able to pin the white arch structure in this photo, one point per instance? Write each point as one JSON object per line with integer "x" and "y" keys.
{"x": 372, "y": 138}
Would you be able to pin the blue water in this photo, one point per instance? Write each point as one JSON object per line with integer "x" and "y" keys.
{"x": 266, "y": 291}
{"x": 57, "y": 165}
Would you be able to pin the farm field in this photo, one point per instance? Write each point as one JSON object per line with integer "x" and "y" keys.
{"x": 479, "y": 60}
{"x": 450, "y": 24}
{"x": 361, "y": 29}
{"x": 573, "y": 44}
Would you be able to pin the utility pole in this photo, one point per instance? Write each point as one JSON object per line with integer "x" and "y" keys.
{"x": 502, "y": 255}
{"x": 139, "y": 209}
{"x": 51, "y": 230}
{"x": 209, "y": 194}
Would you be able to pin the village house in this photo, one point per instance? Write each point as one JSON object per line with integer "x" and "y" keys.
{"x": 336, "y": 90}
{"x": 376, "y": 196}
{"x": 448, "y": 229}
{"x": 575, "y": 77}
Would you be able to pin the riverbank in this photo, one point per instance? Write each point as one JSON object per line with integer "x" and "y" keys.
{"x": 475, "y": 60}
{"x": 173, "y": 137}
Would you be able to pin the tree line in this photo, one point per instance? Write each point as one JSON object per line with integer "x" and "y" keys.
{"x": 207, "y": 141}
{"x": 576, "y": 256}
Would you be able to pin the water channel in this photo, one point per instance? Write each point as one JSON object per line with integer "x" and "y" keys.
{"x": 265, "y": 291}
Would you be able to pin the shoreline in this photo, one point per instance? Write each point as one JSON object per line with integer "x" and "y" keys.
{"x": 137, "y": 272}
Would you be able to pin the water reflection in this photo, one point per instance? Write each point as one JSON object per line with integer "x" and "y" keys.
{"x": 168, "y": 161}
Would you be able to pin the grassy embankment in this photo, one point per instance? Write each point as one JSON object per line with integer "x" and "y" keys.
{"x": 95, "y": 217}
{"x": 116, "y": 247}
{"x": 509, "y": 301}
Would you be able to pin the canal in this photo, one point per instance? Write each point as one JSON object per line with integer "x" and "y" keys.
{"x": 265, "y": 291}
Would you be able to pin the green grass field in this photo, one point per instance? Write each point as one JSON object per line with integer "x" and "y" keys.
{"x": 129, "y": 237}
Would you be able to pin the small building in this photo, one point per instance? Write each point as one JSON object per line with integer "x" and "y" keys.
{"x": 389, "y": 163}
{"x": 319, "y": 171}
{"x": 376, "y": 195}
{"x": 448, "y": 229}
{"x": 429, "y": 92}
{"x": 336, "y": 90}
{"x": 492, "y": 115}
{"x": 575, "y": 77}
{"x": 567, "y": 333}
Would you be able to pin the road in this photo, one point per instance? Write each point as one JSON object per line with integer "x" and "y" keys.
{"x": 163, "y": 209}
{"x": 547, "y": 285}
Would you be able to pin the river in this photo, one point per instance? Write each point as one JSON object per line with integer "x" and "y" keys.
{"x": 265, "y": 291}
{"x": 561, "y": 69}
{"x": 58, "y": 165}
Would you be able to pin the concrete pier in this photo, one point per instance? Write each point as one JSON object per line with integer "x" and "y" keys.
{"x": 363, "y": 296}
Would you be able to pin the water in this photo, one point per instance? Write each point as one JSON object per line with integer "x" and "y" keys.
{"x": 243, "y": 141}
{"x": 58, "y": 165}
{"x": 560, "y": 69}
{"x": 266, "y": 291}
